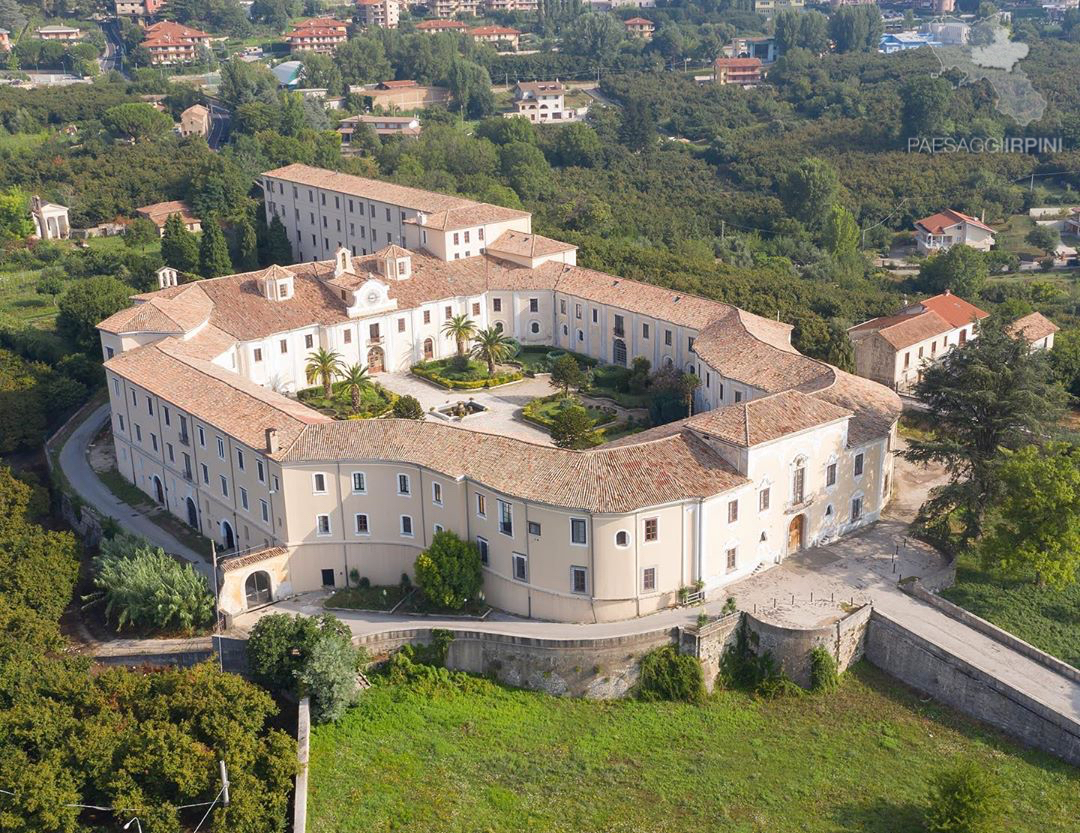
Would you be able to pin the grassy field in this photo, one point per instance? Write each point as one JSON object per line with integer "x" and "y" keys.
{"x": 375, "y": 597}
{"x": 1047, "y": 619}
{"x": 497, "y": 759}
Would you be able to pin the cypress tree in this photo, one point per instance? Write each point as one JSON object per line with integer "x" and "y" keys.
{"x": 278, "y": 249}
{"x": 213, "y": 251}
{"x": 247, "y": 253}
{"x": 179, "y": 247}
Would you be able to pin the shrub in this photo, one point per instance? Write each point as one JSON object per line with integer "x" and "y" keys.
{"x": 328, "y": 676}
{"x": 448, "y": 572}
{"x": 427, "y": 371}
{"x": 668, "y": 675}
{"x": 408, "y": 407}
{"x": 280, "y": 645}
{"x": 143, "y": 587}
{"x": 823, "y": 674}
{"x": 963, "y": 800}
{"x": 573, "y": 428}
{"x": 741, "y": 668}
{"x": 364, "y": 583}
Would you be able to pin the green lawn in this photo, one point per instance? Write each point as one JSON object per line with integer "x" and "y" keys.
{"x": 375, "y": 597}
{"x": 544, "y": 409}
{"x": 374, "y": 401}
{"x": 1010, "y": 237}
{"x": 487, "y": 758}
{"x": 1047, "y": 619}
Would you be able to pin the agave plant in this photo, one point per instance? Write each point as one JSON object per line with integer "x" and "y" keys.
{"x": 323, "y": 365}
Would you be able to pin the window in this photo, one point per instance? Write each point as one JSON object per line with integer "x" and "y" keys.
{"x": 534, "y": 305}
{"x": 318, "y": 483}
{"x": 534, "y": 528}
{"x": 578, "y": 532}
{"x": 283, "y": 345}
{"x": 496, "y": 304}
{"x": 149, "y": 406}
{"x": 401, "y": 325}
{"x": 798, "y": 485}
{"x": 138, "y": 432}
{"x": 328, "y": 578}
{"x": 763, "y": 499}
{"x": 437, "y": 528}
{"x": 205, "y": 474}
{"x": 466, "y": 237}
{"x": 562, "y": 306}
{"x": 264, "y": 510}
{"x": 436, "y": 494}
{"x": 690, "y": 343}
{"x": 406, "y": 526}
{"x": 858, "y": 464}
{"x": 373, "y": 332}
{"x": 260, "y": 471}
{"x": 134, "y": 398}
{"x": 109, "y": 352}
{"x": 648, "y": 580}
{"x": 169, "y": 451}
{"x": 738, "y": 396}
{"x": 577, "y": 310}
{"x": 622, "y": 538}
{"x": 578, "y": 580}
{"x": 920, "y": 352}
{"x": 534, "y": 327}
{"x": 732, "y": 511}
{"x": 258, "y": 354}
{"x": 153, "y": 441}
{"x": 667, "y": 338}
{"x": 166, "y": 414}
{"x": 427, "y": 316}
{"x": 595, "y": 316}
{"x": 224, "y": 485}
{"x": 481, "y": 506}
{"x": 644, "y": 330}
{"x": 457, "y": 238}
{"x": 221, "y": 448}
{"x": 482, "y": 545}
{"x": 651, "y": 529}
{"x": 732, "y": 557}
{"x": 403, "y": 484}
{"x": 856, "y": 508}
{"x": 243, "y": 498}
{"x": 322, "y": 524}
{"x": 346, "y": 336}
{"x": 506, "y": 518}
{"x": 362, "y": 524}
{"x": 476, "y": 309}
{"x": 121, "y": 418}
{"x": 202, "y": 438}
{"x": 359, "y": 483}
{"x": 240, "y": 459}
{"x": 521, "y": 567}
{"x": 830, "y": 474}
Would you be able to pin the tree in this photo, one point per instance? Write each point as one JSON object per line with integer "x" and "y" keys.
{"x": 856, "y": 28}
{"x": 571, "y": 427}
{"x": 566, "y": 373}
{"x": 363, "y": 60}
{"x": 961, "y": 270}
{"x": 15, "y": 222}
{"x": 804, "y": 30}
{"x": 449, "y": 571}
{"x": 491, "y": 346}
{"x": 408, "y": 407}
{"x": 963, "y": 799}
{"x": 637, "y": 125}
{"x": 328, "y": 675}
{"x": 667, "y": 674}
{"x": 219, "y": 187}
{"x": 990, "y": 394}
{"x": 1035, "y": 524}
{"x": 470, "y": 89}
{"x": 213, "y": 250}
{"x": 688, "y": 385}
{"x": 247, "y": 248}
{"x": 575, "y": 144}
{"x": 140, "y": 233}
{"x": 594, "y": 37}
{"x": 278, "y": 248}
{"x": 179, "y": 247}
{"x": 526, "y": 169}
{"x": 461, "y": 328}
{"x": 280, "y": 645}
{"x": 323, "y": 365}
{"x": 1045, "y": 238}
{"x": 243, "y": 82}
{"x": 927, "y": 104}
{"x": 1065, "y": 359}
{"x": 810, "y": 190}
{"x": 51, "y": 282}
{"x": 840, "y": 352}
{"x": 356, "y": 380}
{"x": 137, "y": 120}
{"x": 87, "y": 302}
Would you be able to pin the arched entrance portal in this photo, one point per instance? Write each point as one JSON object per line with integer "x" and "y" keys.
{"x": 375, "y": 360}
{"x": 227, "y": 535}
{"x": 159, "y": 490}
{"x": 257, "y": 588}
{"x": 429, "y": 349}
{"x": 618, "y": 352}
{"x": 795, "y": 534}
{"x": 192, "y": 514}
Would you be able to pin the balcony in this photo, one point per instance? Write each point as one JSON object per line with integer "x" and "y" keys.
{"x": 796, "y": 506}
{"x": 374, "y": 341}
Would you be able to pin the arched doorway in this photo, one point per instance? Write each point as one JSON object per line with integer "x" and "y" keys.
{"x": 618, "y": 352}
{"x": 375, "y": 360}
{"x": 227, "y": 535}
{"x": 257, "y": 588}
{"x": 429, "y": 349}
{"x": 159, "y": 490}
{"x": 192, "y": 514}
{"x": 795, "y": 533}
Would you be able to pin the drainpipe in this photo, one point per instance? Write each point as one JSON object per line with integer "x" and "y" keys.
{"x": 701, "y": 539}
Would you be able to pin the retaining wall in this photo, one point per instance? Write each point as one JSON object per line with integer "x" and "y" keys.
{"x": 950, "y": 680}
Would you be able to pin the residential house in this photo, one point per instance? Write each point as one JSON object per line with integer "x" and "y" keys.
{"x": 453, "y": 8}
{"x": 1036, "y": 329}
{"x": 891, "y": 42}
{"x": 434, "y": 27}
{"x": 940, "y": 232}
{"x": 784, "y": 452}
{"x": 639, "y": 27}
{"x": 66, "y": 34}
{"x": 288, "y": 74}
{"x": 5, "y": 40}
{"x": 948, "y": 32}
{"x": 1071, "y": 225}
{"x": 159, "y": 212}
{"x": 195, "y": 121}
{"x": 172, "y": 43}
{"x": 496, "y": 35}
{"x": 609, "y": 5}
{"x": 771, "y": 7}
{"x": 50, "y": 220}
{"x": 401, "y": 95}
{"x": 380, "y": 13}
{"x": 894, "y": 350}
{"x": 542, "y": 102}
{"x": 764, "y": 49}
{"x": 744, "y": 72}
{"x": 317, "y": 34}
{"x": 138, "y": 9}
{"x": 506, "y": 6}
{"x": 406, "y": 126}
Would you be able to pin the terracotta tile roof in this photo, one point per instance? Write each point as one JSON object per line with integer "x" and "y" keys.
{"x": 527, "y": 245}
{"x": 1032, "y": 327}
{"x": 937, "y": 223}
{"x": 212, "y": 394}
{"x": 875, "y": 407}
{"x": 737, "y": 63}
{"x": 905, "y": 328}
{"x": 257, "y": 557}
{"x": 181, "y": 310}
{"x": 956, "y": 311}
{"x": 372, "y": 189}
{"x": 607, "y": 479}
{"x": 397, "y": 85}
{"x": 169, "y": 29}
{"x": 475, "y": 214}
{"x": 765, "y": 419}
{"x": 440, "y": 24}
{"x": 541, "y": 86}
{"x": 483, "y": 31}
{"x": 159, "y": 212}
{"x": 637, "y": 21}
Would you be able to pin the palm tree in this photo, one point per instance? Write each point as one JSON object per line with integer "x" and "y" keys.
{"x": 324, "y": 365}
{"x": 491, "y": 346}
{"x": 461, "y": 328}
{"x": 356, "y": 379}
{"x": 688, "y": 383}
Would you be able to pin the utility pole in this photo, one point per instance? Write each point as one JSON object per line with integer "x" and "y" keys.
{"x": 224, "y": 783}
{"x": 217, "y": 610}
{"x": 723, "y": 227}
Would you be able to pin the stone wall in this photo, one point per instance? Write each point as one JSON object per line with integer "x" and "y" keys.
{"x": 950, "y": 680}
{"x": 791, "y": 647}
{"x": 709, "y": 643}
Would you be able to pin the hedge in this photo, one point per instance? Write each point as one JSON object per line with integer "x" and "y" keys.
{"x": 472, "y": 384}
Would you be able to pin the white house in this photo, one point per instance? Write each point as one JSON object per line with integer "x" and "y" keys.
{"x": 940, "y": 232}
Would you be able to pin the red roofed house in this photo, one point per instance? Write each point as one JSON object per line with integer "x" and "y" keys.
{"x": 746, "y": 72}
{"x": 941, "y": 231}
{"x": 433, "y": 27}
{"x": 1036, "y": 329}
{"x": 317, "y": 34}
{"x": 172, "y": 43}
{"x": 639, "y": 27}
{"x": 496, "y": 34}
{"x": 895, "y": 349}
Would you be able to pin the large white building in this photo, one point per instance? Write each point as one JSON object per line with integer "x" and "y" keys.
{"x": 786, "y": 451}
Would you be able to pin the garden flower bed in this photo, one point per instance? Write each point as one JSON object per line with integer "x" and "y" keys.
{"x": 542, "y": 410}
{"x": 372, "y": 597}
{"x": 472, "y": 376}
{"x": 375, "y": 401}
{"x": 539, "y": 359}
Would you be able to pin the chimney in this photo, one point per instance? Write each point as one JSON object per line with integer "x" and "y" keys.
{"x": 272, "y": 446}
{"x": 342, "y": 263}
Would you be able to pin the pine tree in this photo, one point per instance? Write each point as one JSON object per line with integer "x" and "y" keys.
{"x": 179, "y": 247}
{"x": 247, "y": 254}
{"x": 278, "y": 249}
{"x": 213, "y": 251}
